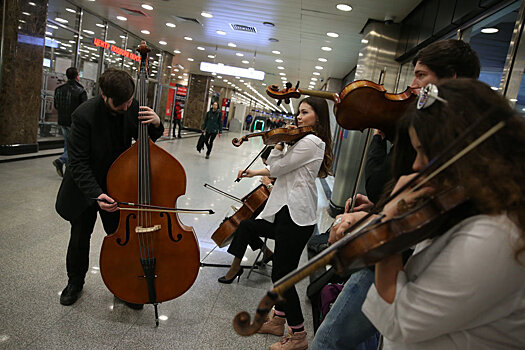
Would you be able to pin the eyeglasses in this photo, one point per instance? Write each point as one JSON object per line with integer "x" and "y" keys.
{"x": 428, "y": 95}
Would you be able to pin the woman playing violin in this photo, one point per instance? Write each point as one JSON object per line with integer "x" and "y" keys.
{"x": 290, "y": 214}
{"x": 464, "y": 289}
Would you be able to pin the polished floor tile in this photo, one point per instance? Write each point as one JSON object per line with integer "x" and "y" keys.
{"x": 32, "y": 264}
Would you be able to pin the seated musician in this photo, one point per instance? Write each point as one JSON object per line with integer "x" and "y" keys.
{"x": 465, "y": 288}
{"x": 289, "y": 216}
{"x": 345, "y": 326}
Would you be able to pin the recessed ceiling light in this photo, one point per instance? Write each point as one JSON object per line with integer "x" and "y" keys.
{"x": 200, "y": 48}
{"x": 176, "y": 51}
{"x": 171, "y": 25}
{"x": 188, "y": 38}
{"x": 242, "y": 81}
{"x": 279, "y": 60}
{"x": 61, "y": 20}
{"x": 232, "y": 45}
{"x": 190, "y": 59}
{"x": 282, "y": 73}
{"x": 179, "y": 77}
{"x": 122, "y": 18}
{"x": 31, "y": 3}
{"x": 144, "y": 31}
{"x": 239, "y": 54}
{"x": 100, "y": 25}
{"x": 276, "y": 52}
{"x": 360, "y": 54}
{"x": 88, "y": 31}
{"x": 313, "y": 79}
{"x": 147, "y": 7}
{"x": 326, "y": 48}
{"x": 283, "y": 78}
{"x": 211, "y": 56}
{"x": 344, "y": 7}
{"x": 280, "y": 67}
{"x": 490, "y": 30}
{"x": 318, "y": 67}
{"x": 364, "y": 41}
{"x": 332, "y": 35}
{"x": 206, "y": 14}
{"x": 245, "y": 61}
{"x": 316, "y": 73}
{"x": 70, "y": 10}
{"x": 185, "y": 74}
{"x": 221, "y": 32}
{"x": 162, "y": 42}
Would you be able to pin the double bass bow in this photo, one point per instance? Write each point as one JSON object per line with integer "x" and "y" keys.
{"x": 361, "y": 104}
{"x": 152, "y": 257}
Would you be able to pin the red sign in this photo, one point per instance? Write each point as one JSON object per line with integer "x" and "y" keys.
{"x": 116, "y": 49}
{"x": 181, "y": 90}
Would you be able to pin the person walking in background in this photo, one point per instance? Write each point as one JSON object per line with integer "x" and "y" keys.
{"x": 177, "y": 117}
{"x": 68, "y": 97}
{"x": 212, "y": 125}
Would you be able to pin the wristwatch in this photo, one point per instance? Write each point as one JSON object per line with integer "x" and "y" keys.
{"x": 269, "y": 187}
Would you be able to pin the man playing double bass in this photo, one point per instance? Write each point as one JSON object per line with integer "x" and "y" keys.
{"x": 102, "y": 128}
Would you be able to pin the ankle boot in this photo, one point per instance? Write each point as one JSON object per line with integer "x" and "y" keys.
{"x": 273, "y": 325}
{"x": 292, "y": 341}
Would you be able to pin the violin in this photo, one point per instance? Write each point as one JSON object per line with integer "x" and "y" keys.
{"x": 278, "y": 135}
{"x": 361, "y": 104}
{"x": 151, "y": 257}
{"x": 252, "y": 205}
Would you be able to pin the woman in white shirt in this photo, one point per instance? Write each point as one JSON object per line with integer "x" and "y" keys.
{"x": 290, "y": 214}
{"x": 464, "y": 289}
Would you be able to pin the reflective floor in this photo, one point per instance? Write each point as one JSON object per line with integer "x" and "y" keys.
{"x": 32, "y": 265}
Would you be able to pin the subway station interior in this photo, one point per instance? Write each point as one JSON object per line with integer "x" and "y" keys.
{"x": 231, "y": 53}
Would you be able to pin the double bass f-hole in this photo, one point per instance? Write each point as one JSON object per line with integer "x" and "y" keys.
{"x": 119, "y": 241}
{"x": 170, "y": 231}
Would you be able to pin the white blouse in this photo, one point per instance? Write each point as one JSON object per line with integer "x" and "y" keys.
{"x": 463, "y": 290}
{"x": 295, "y": 171}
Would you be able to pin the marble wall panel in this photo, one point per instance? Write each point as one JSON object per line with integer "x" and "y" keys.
{"x": 196, "y": 103}
{"x": 21, "y": 70}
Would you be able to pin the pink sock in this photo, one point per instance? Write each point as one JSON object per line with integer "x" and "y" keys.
{"x": 279, "y": 313}
{"x": 298, "y": 328}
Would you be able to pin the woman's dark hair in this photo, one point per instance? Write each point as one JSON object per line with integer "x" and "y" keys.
{"x": 447, "y": 58}
{"x": 493, "y": 173}
{"x": 117, "y": 84}
{"x": 322, "y": 130}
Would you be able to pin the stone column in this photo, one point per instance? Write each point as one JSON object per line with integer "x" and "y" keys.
{"x": 22, "y": 51}
{"x": 196, "y": 102}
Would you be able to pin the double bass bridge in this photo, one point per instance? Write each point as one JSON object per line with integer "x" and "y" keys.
{"x": 140, "y": 229}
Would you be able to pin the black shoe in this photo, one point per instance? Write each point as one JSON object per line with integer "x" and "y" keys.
{"x": 58, "y": 165}
{"x": 207, "y": 156}
{"x": 237, "y": 275}
{"x": 180, "y": 137}
{"x": 70, "y": 294}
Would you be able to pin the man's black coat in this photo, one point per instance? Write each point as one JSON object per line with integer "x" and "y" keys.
{"x": 92, "y": 148}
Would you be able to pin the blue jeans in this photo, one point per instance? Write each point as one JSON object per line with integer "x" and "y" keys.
{"x": 65, "y": 132}
{"x": 345, "y": 326}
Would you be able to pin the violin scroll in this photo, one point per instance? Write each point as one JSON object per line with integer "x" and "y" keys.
{"x": 284, "y": 94}
{"x": 237, "y": 142}
{"x": 242, "y": 321}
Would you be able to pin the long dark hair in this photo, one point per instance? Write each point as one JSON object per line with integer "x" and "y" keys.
{"x": 322, "y": 130}
{"x": 493, "y": 173}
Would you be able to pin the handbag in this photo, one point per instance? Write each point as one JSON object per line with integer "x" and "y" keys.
{"x": 200, "y": 143}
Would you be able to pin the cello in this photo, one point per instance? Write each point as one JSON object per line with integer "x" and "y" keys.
{"x": 152, "y": 257}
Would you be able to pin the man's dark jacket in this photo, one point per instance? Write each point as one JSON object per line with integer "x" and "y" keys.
{"x": 92, "y": 149}
{"x": 68, "y": 97}
{"x": 213, "y": 121}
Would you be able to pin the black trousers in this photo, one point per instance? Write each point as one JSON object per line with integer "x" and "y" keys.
{"x": 290, "y": 240}
{"x": 77, "y": 258}
{"x": 177, "y": 122}
{"x": 208, "y": 141}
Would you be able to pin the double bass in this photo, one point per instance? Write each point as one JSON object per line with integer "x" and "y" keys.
{"x": 152, "y": 257}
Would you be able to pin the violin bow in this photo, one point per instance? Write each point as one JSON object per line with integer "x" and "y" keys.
{"x": 253, "y": 161}
{"x": 155, "y": 208}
